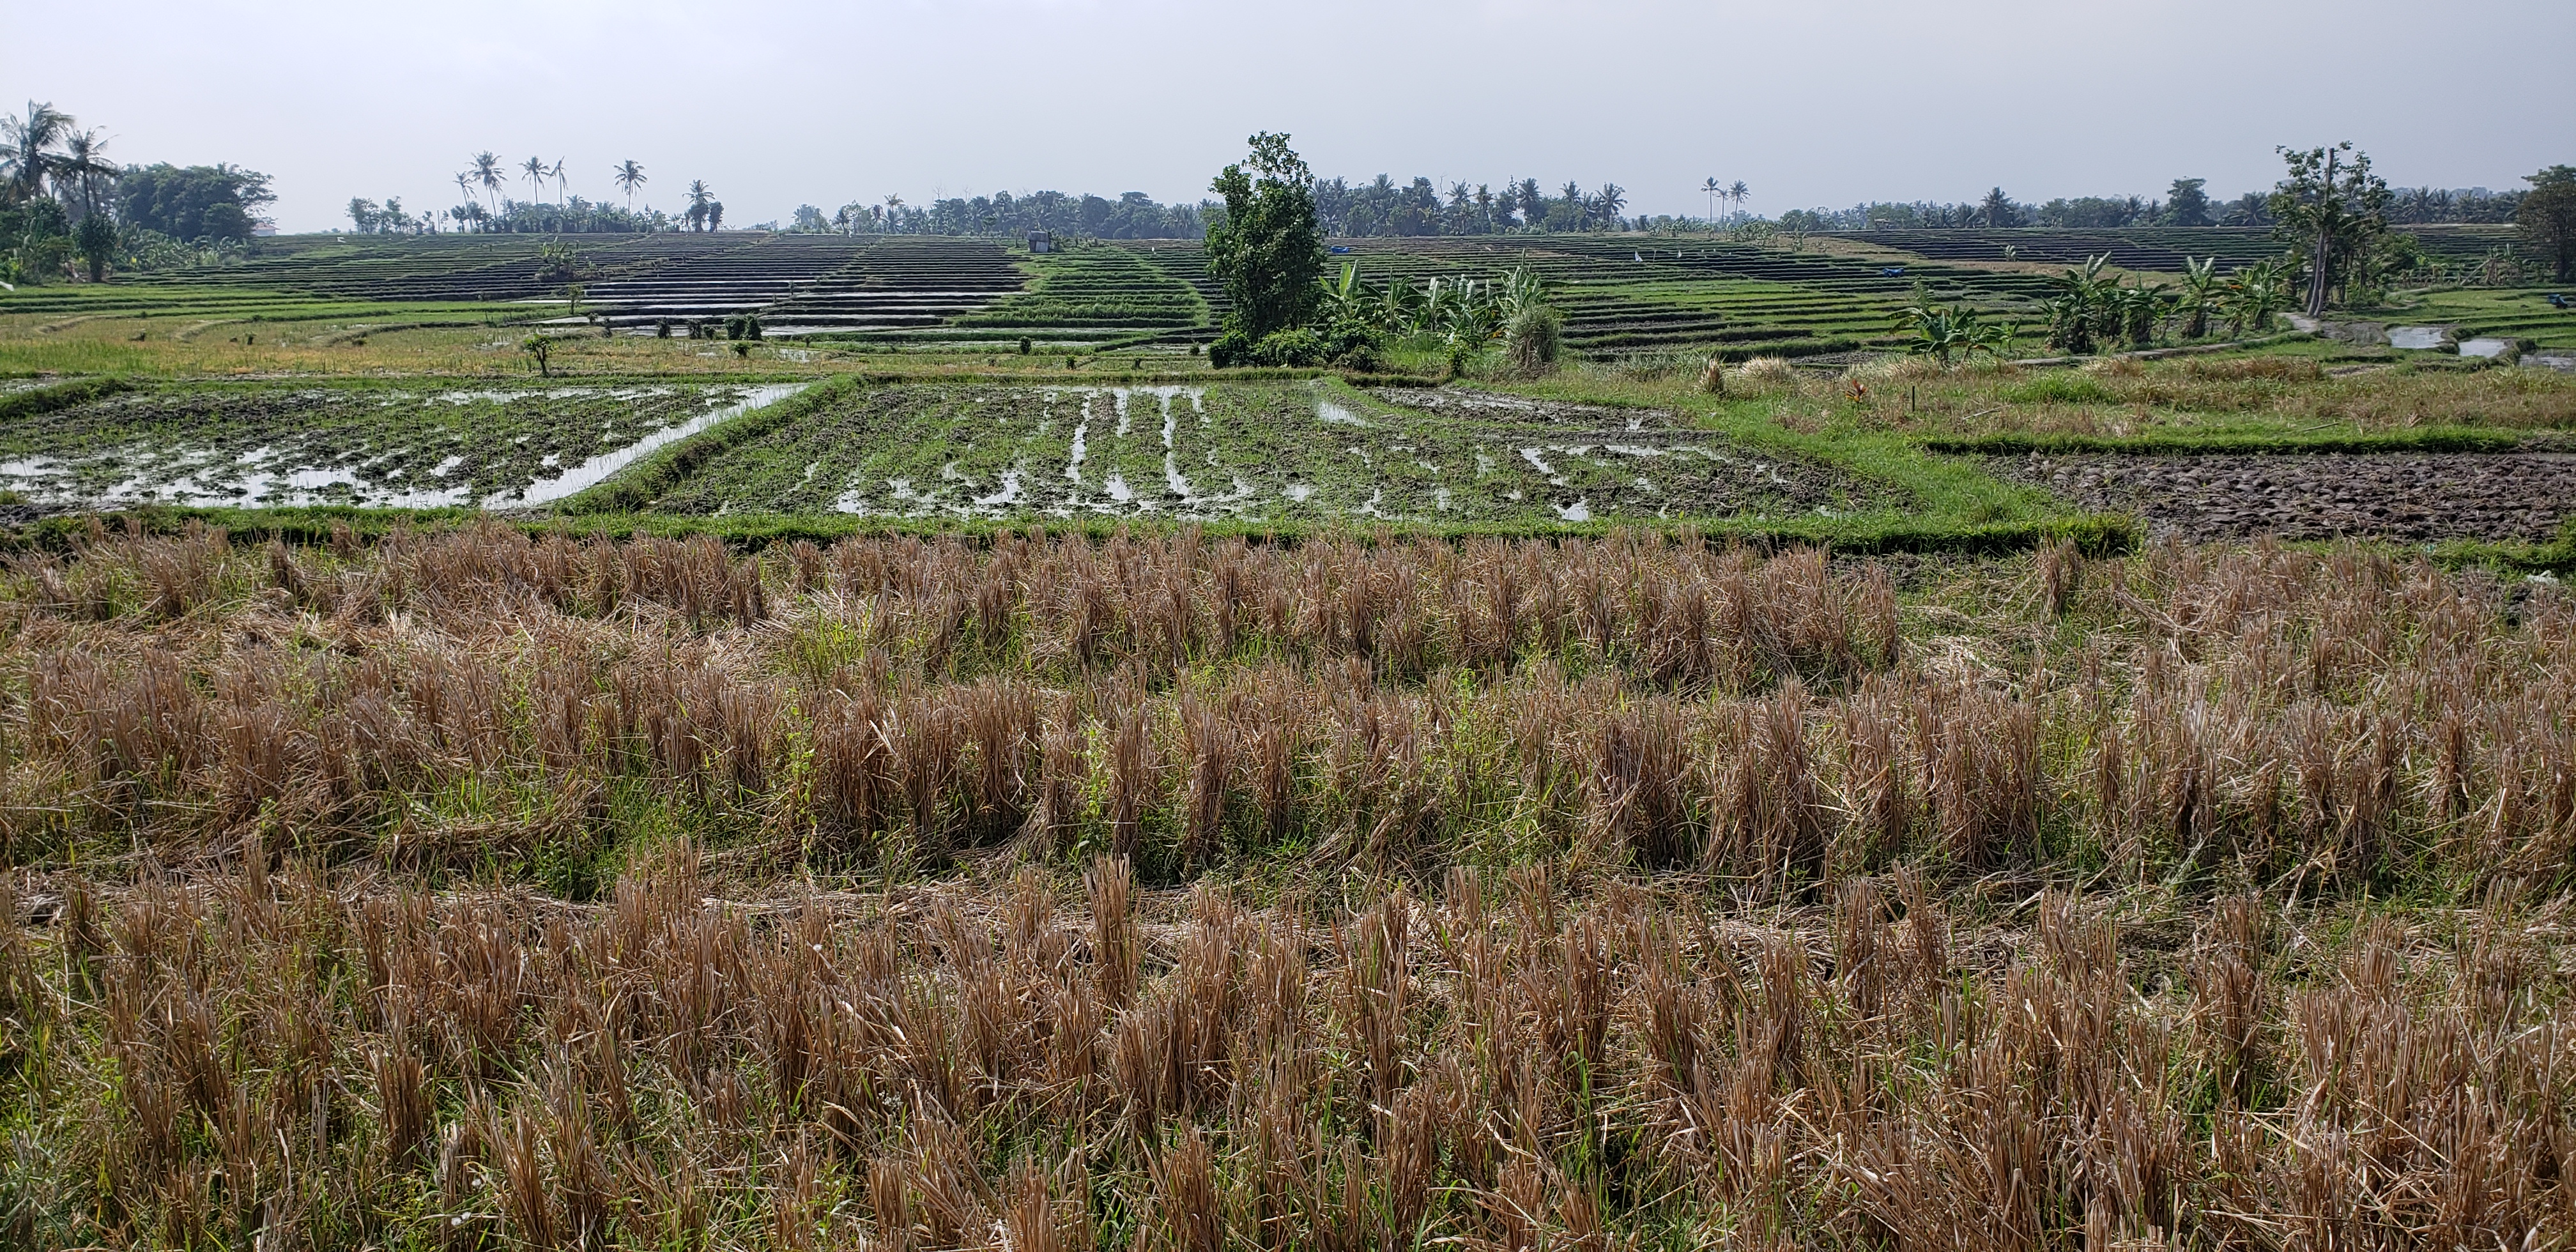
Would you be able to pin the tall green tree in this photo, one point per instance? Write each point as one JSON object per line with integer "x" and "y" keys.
{"x": 2334, "y": 208}
{"x": 85, "y": 166}
{"x": 2547, "y": 217}
{"x": 94, "y": 242}
{"x": 700, "y": 198}
{"x": 629, "y": 177}
{"x": 2186, "y": 204}
{"x": 487, "y": 171}
{"x": 29, "y": 156}
{"x": 192, "y": 202}
{"x": 1612, "y": 200}
{"x": 1268, "y": 252}
{"x": 1999, "y": 210}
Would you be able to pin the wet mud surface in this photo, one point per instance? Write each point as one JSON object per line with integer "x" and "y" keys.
{"x": 2407, "y": 496}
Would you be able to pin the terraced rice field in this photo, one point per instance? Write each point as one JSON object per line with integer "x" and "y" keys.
{"x": 1626, "y": 294}
{"x": 1623, "y": 295}
{"x": 1289, "y": 452}
{"x": 2156, "y": 250}
{"x": 810, "y": 284}
{"x": 417, "y": 444}
{"x": 1096, "y": 289}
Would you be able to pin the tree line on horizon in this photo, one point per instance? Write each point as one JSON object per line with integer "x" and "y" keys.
{"x": 67, "y": 210}
{"x": 2186, "y": 203}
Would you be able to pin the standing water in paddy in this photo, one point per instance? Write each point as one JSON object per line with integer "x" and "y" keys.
{"x": 1079, "y": 452}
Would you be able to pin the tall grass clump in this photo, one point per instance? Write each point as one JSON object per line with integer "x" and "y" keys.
{"x": 465, "y": 889}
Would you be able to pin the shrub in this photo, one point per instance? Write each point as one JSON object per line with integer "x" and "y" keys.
{"x": 1766, "y": 373}
{"x": 1230, "y": 349}
{"x": 1351, "y": 343}
{"x": 1532, "y": 338}
{"x": 1297, "y": 346}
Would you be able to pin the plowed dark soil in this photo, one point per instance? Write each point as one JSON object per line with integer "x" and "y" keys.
{"x": 2413, "y": 496}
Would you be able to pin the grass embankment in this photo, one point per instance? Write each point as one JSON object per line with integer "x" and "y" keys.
{"x": 1190, "y": 893}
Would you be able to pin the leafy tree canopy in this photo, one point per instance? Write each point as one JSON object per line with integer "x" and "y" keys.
{"x": 2186, "y": 204}
{"x": 1268, "y": 252}
{"x": 195, "y": 201}
{"x": 2547, "y": 217}
{"x": 2335, "y": 208}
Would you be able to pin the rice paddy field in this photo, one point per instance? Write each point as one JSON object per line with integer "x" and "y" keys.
{"x": 877, "y": 786}
{"x": 383, "y": 444}
{"x": 1278, "y": 453}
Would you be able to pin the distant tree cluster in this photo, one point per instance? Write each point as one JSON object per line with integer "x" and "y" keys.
{"x": 1383, "y": 207}
{"x": 193, "y": 201}
{"x": 2186, "y": 203}
{"x": 567, "y": 214}
{"x": 1133, "y": 215}
{"x": 1380, "y": 207}
{"x": 67, "y": 211}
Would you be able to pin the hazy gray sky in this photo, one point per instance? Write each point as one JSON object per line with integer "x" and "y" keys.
{"x": 1811, "y": 104}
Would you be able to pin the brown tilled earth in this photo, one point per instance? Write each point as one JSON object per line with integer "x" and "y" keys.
{"x": 2409, "y": 496}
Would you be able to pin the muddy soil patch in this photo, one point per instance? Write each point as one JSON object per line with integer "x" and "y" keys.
{"x": 2410, "y": 496}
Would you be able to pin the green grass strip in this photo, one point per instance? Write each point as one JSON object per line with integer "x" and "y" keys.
{"x": 38, "y": 401}
{"x": 644, "y": 481}
{"x": 2178, "y": 443}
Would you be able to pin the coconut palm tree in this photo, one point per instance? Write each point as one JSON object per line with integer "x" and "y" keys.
{"x": 84, "y": 163}
{"x": 534, "y": 170}
{"x": 557, "y": 174}
{"x": 487, "y": 171}
{"x": 630, "y": 176}
{"x": 699, "y": 198}
{"x": 1613, "y": 198}
{"x": 1714, "y": 190}
{"x": 1737, "y": 193}
{"x": 29, "y": 156}
{"x": 1573, "y": 194}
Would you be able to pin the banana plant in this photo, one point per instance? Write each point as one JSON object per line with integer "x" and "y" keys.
{"x": 1399, "y": 306}
{"x": 1471, "y": 317}
{"x": 2083, "y": 303}
{"x": 1345, "y": 296}
{"x": 2199, "y": 295}
{"x": 2254, "y": 293}
{"x": 1942, "y": 330}
{"x": 2135, "y": 310}
{"x": 1521, "y": 292}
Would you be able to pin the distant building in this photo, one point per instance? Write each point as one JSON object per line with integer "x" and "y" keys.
{"x": 1041, "y": 241}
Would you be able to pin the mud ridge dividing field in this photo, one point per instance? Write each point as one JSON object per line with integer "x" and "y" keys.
{"x": 2411, "y": 496}
{"x": 1256, "y": 452}
{"x": 414, "y": 445}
